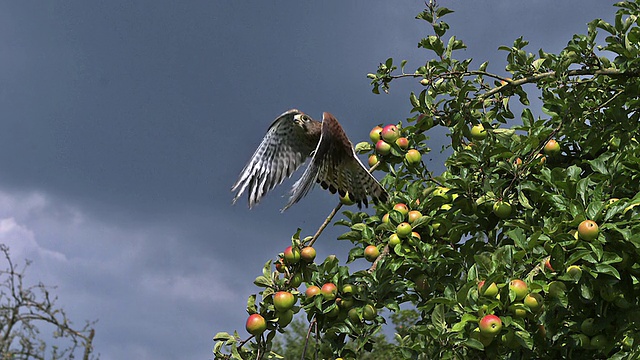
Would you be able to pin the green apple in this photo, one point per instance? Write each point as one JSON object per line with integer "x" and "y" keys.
{"x": 491, "y": 290}
{"x": 403, "y": 229}
{"x": 478, "y": 132}
{"x": 369, "y": 312}
{"x": 375, "y": 134}
{"x": 383, "y": 148}
{"x": 373, "y": 159}
{"x": 534, "y": 301}
{"x": 285, "y": 317}
{"x": 502, "y": 209}
{"x": 413, "y": 157}
{"x": 394, "y": 240}
{"x": 291, "y": 255}
{"x": 283, "y": 300}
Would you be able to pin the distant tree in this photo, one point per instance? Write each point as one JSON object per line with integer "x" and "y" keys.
{"x": 526, "y": 247}
{"x": 26, "y": 311}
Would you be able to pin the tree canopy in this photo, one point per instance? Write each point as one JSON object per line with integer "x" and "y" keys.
{"x": 527, "y": 246}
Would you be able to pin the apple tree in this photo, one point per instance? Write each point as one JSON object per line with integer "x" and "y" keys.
{"x": 526, "y": 246}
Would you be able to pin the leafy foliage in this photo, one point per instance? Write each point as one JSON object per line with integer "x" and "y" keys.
{"x": 508, "y": 207}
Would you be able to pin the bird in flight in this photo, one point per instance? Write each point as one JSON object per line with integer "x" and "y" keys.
{"x": 291, "y": 139}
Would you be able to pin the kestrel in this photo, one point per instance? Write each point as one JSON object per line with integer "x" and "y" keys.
{"x": 291, "y": 139}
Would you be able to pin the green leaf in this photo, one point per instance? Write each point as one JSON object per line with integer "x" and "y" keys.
{"x": 607, "y": 269}
{"x": 437, "y": 318}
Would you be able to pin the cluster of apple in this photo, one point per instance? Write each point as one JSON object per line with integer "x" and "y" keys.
{"x": 388, "y": 138}
{"x": 404, "y": 229}
{"x": 524, "y": 302}
{"x": 342, "y": 304}
{"x": 291, "y": 263}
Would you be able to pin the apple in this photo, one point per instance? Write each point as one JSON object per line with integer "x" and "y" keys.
{"x": 588, "y": 230}
{"x": 329, "y": 291}
{"x": 588, "y": 327}
{"x": 284, "y": 318}
{"x": 348, "y": 289}
{"x": 478, "y": 132}
{"x": 312, "y": 291}
{"x": 394, "y": 240}
{"x": 583, "y": 341}
{"x": 547, "y": 264}
{"x": 534, "y": 301}
{"x": 557, "y": 288}
{"x": 502, "y": 209}
{"x": 333, "y": 312}
{"x": 574, "y": 271}
{"x": 486, "y": 340}
{"x": 442, "y": 192}
{"x": 517, "y": 162}
{"x": 385, "y": 218}
{"x": 490, "y": 291}
{"x": 390, "y": 133}
{"x": 280, "y": 266}
{"x": 599, "y": 341}
{"x": 291, "y": 255}
{"x": 490, "y": 325}
{"x": 382, "y": 148}
{"x": 375, "y": 134}
{"x": 353, "y": 315}
{"x": 402, "y": 208}
{"x": 414, "y": 215}
{"x": 424, "y": 122}
{"x": 373, "y": 159}
{"x": 256, "y": 324}
{"x": 308, "y": 254}
{"x": 403, "y": 143}
{"x": 371, "y": 253}
{"x": 439, "y": 228}
{"x": 614, "y": 144}
{"x": 518, "y": 310}
{"x": 403, "y": 229}
{"x": 346, "y": 200}
{"x": 295, "y": 280}
{"x": 345, "y": 303}
{"x": 541, "y": 159}
{"x": 369, "y": 312}
{"x": 413, "y": 157}
{"x": 283, "y": 300}
{"x": 416, "y": 235}
{"x": 552, "y": 148}
{"x": 520, "y": 288}
{"x": 424, "y": 82}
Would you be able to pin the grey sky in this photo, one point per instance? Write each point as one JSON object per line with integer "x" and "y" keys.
{"x": 124, "y": 124}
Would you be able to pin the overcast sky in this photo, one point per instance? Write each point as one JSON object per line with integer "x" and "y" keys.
{"x": 123, "y": 125}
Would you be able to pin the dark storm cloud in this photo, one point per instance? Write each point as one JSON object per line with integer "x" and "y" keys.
{"x": 124, "y": 124}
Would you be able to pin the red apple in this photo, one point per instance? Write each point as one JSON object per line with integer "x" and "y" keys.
{"x": 256, "y": 324}
{"x": 588, "y": 230}
{"x": 329, "y": 291}
{"x": 385, "y": 218}
{"x": 283, "y": 300}
{"x": 403, "y": 229}
{"x": 291, "y": 255}
{"x": 382, "y": 148}
{"x": 403, "y": 143}
{"x": 390, "y": 133}
{"x": 371, "y": 253}
{"x": 413, "y": 157}
{"x": 547, "y": 264}
{"x": 414, "y": 215}
{"x": 520, "y": 288}
{"x": 375, "y": 135}
{"x": 402, "y": 208}
{"x": 416, "y": 235}
{"x": 312, "y": 291}
{"x": 308, "y": 254}
{"x": 490, "y": 325}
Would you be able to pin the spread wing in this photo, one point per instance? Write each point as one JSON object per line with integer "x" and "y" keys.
{"x": 336, "y": 167}
{"x": 287, "y": 144}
